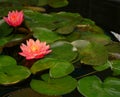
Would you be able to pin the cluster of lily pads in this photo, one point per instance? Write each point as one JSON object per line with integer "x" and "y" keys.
{"x": 72, "y": 39}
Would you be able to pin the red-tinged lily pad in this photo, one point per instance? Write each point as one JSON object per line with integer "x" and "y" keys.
{"x": 92, "y": 86}
{"x": 10, "y": 72}
{"x": 57, "y": 68}
{"x": 51, "y": 86}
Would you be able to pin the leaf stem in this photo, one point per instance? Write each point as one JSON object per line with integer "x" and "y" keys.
{"x": 86, "y": 74}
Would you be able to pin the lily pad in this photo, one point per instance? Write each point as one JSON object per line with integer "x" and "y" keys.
{"x": 63, "y": 50}
{"x": 98, "y": 38}
{"x": 44, "y": 34}
{"x": 103, "y": 67}
{"x": 42, "y": 2}
{"x": 10, "y": 72}
{"x": 92, "y": 53}
{"x": 57, "y": 86}
{"x": 12, "y": 40}
{"x": 92, "y": 86}
{"x": 36, "y": 19}
{"x": 57, "y": 3}
{"x": 115, "y": 66}
{"x": 66, "y": 22}
{"x": 58, "y": 68}
{"x": 5, "y": 29}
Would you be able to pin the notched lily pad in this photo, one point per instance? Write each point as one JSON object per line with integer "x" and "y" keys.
{"x": 49, "y": 86}
{"x": 92, "y": 86}
{"x": 10, "y": 72}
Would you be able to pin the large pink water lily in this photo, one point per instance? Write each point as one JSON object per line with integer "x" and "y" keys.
{"x": 34, "y": 49}
{"x": 14, "y": 18}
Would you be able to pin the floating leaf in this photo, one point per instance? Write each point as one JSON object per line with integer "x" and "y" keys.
{"x": 57, "y": 3}
{"x": 47, "y": 35}
{"x": 98, "y": 38}
{"x": 61, "y": 68}
{"x": 113, "y": 47}
{"x": 58, "y": 49}
{"x": 115, "y": 66}
{"x": 92, "y": 86}
{"x": 26, "y": 92}
{"x": 13, "y": 39}
{"x": 5, "y": 29}
{"x": 93, "y": 54}
{"x": 36, "y": 19}
{"x": 7, "y": 61}
{"x": 57, "y": 86}
{"x": 10, "y": 73}
{"x": 102, "y": 67}
{"x": 42, "y": 2}
{"x": 66, "y": 22}
{"x": 58, "y": 68}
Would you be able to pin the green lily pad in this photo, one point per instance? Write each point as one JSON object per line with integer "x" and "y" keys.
{"x": 73, "y": 36}
{"x": 10, "y": 72}
{"x": 47, "y": 35}
{"x": 57, "y": 86}
{"x": 58, "y": 49}
{"x": 92, "y": 86}
{"x": 66, "y": 22}
{"x": 58, "y": 68}
{"x": 7, "y": 61}
{"x": 42, "y": 2}
{"x": 102, "y": 67}
{"x": 92, "y": 53}
{"x": 57, "y": 3}
{"x": 5, "y": 29}
{"x": 115, "y": 66}
{"x": 36, "y": 19}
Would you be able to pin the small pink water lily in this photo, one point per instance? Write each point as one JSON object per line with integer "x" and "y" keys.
{"x": 34, "y": 49}
{"x": 14, "y": 18}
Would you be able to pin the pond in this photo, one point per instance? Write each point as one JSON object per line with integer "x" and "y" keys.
{"x": 57, "y": 49}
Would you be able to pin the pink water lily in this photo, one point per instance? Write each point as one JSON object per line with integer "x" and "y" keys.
{"x": 14, "y": 18}
{"x": 34, "y": 49}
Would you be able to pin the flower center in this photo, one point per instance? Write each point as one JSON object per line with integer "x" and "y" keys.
{"x": 34, "y": 48}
